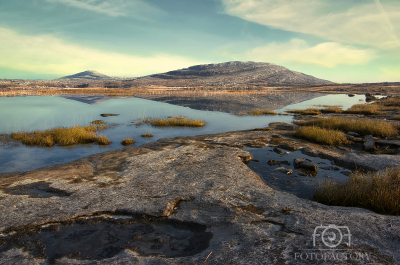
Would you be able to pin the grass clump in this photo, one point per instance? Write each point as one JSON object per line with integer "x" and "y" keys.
{"x": 376, "y": 191}
{"x": 389, "y": 101}
{"x": 259, "y": 112}
{"x": 177, "y": 121}
{"x": 378, "y": 128}
{"x": 127, "y": 141}
{"x": 147, "y": 135}
{"x": 309, "y": 111}
{"x": 366, "y": 109}
{"x": 321, "y": 135}
{"x": 62, "y": 136}
{"x": 332, "y": 109}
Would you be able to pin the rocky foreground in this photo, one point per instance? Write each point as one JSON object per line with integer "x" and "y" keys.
{"x": 186, "y": 200}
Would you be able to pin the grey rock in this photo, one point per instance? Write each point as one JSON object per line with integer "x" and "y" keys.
{"x": 353, "y": 134}
{"x": 305, "y": 163}
{"x": 282, "y": 126}
{"x": 278, "y": 151}
{"x": 177, "y": 201}
{"x": 274, "y": 162}
{"x": 369, "y": 142}
{"x": 284, "y": 170}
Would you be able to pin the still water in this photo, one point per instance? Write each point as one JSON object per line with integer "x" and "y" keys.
{"x": 45, "y": 112}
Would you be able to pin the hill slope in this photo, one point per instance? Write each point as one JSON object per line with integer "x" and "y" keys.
{"x": 87, "y": 75}
{"x": 242, "y": 73}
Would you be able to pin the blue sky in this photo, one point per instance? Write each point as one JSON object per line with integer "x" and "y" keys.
{"x": 339, "y": 40}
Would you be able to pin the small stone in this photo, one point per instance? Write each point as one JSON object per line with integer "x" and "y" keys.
{"x": 278, "y": 151}
{"x": 353, "y": 134}
{"x": 284, "y": 170}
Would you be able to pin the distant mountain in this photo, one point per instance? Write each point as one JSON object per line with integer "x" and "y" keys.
{"x": 242, "y": 73}
{"x": 87, "y": 75}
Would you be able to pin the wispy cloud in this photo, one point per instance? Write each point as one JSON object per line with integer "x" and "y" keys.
{"x": 357, "y": 24}
{"x": 49, "y": 55}
{"x": 328, "y": 54}
{"x": 114, "y": 8}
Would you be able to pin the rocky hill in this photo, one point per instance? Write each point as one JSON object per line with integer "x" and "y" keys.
{"x": 230, "y": 73}
{"x": 87, "y": 75}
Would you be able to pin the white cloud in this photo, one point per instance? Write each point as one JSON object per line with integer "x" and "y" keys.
{"x": 328, "y": 54}
{"x": 366, "y": 24}
{"x": 48, "y": 55}
{"x": 114, "y": 8}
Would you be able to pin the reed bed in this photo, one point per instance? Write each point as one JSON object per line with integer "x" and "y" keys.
{"x": 257, "y": 112}
{"x": 375, "y": 191}
{"x": 366, "y": 109}
{"x": 377, "y": 128}
{"x": 321, "y": 135}
{"x": 309, "y": 111}
{"x": 62, "y": 136}
{"x": 178, "y": 121}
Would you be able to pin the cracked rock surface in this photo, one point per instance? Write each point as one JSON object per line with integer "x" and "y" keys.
{"x": 186, "y": 200}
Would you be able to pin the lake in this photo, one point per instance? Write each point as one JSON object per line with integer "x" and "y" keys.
{"x": 19, "y": 114}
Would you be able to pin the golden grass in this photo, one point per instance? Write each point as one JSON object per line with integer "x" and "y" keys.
{"x": 257, "y": 112}
{"x": 147, "y": 135}
{"x": 389, "y": 101}
{"x": 309, "y": 111}
{"x": 332, "y": 109}
{"x": 376, "y": 191}
{"x": 321, "y": 136}
{"x": 366, "y": 109}
{"x": 62, "y": 136}
{"x": 127, "y": 141}
{"x": 378, "y": 128}
{"x": 97, "y": 122}
{"x": 177, "y": 121}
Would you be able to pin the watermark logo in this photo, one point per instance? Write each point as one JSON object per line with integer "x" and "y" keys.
{"x": 332, "y": 235}
{"x": 326, "y": 239}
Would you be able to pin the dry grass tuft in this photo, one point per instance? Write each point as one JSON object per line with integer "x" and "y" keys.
{"x": 309, "y": 111}
{"x": 259, "y": 112}
{"x": 321, "y": 136}
{"x": 127, "y": 141}
{"x": 62, "y": 136}
{"x": 366, "y": 109}
{"x": 147, "y": 135}
{"x": 378, "y": 128}
{"x": 97, "y": 122}
{"x": 177, "y": 121}
{"x": 376, "y": 191}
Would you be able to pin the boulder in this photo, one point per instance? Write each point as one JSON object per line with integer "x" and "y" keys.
{"x": 369, "y": 142}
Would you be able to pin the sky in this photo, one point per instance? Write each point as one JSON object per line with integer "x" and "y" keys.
{"x": 345, "y": 41}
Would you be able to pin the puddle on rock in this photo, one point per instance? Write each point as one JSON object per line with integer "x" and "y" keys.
{"x": 40, "y": 189}
{"x": 273, "y": 169}
{"x": 101, "y": 237}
